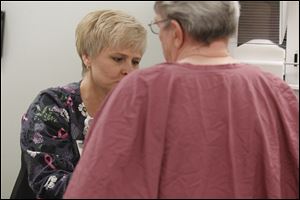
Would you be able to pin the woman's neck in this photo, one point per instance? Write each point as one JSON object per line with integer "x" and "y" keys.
{"x": 91, "y": 96}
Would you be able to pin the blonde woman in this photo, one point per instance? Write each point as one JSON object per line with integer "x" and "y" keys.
{"x": 110, "y": 44}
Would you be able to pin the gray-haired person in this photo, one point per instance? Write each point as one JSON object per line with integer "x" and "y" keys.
{"x": 201, "y": 125}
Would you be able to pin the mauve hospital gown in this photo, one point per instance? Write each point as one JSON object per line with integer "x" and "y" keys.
{"x": 188, "y": 131}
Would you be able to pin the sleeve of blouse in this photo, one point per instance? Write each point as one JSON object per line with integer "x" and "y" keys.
{"x": 47, "y": 145}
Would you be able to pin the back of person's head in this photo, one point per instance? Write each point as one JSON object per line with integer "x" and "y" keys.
{"x": 204, "y": 21}
{"x": 109, "y": 29}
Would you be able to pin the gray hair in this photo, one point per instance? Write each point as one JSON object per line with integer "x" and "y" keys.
{"x": 204, "y": 21}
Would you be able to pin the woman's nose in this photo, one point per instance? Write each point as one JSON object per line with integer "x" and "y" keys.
{"x": 127, "y": 70}
{"x": 124, "y": 72}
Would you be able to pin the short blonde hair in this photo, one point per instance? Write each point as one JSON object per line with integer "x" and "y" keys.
{"x": 109, "y": 29}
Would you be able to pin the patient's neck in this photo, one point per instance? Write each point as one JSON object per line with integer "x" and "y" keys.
{"x": 214, "y": 53}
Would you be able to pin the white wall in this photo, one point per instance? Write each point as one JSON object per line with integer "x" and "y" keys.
{"x": 39, "y": 52}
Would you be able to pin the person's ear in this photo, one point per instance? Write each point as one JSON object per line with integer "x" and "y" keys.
{"x": 86, "y": 60}
{"x": 178, "y": 34}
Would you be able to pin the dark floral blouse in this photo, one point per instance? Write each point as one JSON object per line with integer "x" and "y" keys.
{"x": 52, "y": 130}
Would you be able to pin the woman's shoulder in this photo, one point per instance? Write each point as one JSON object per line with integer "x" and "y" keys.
{"x": 59, "y": 94}
{"x": 68, "y": 89}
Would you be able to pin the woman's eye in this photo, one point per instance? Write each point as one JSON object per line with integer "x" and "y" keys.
{"x": 117, "y": 59}
{"x": 135, "y": 62}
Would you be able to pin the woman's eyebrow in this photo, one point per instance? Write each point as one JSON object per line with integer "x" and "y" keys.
{"x": 125, "y": 55}
{"x": 119, "y": 54}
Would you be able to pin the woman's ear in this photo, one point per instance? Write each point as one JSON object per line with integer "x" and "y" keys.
{"x": 178, "y": 34}
{"x": 86, "y": 60}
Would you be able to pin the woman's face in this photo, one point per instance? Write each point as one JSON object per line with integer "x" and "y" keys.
{"x": 110, "y": 66}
